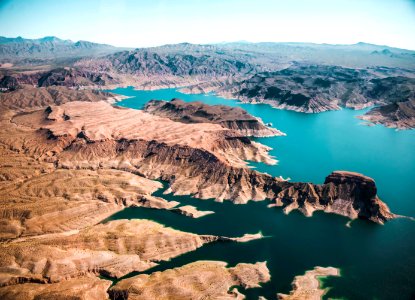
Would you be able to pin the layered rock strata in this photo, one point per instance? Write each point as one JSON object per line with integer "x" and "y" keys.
{"x": 207, "y": 161}
{"x": 113, "y": 249}
{"x": 198, "y": 280}
{"x": 234, "y": 118}
{"x": 30, "y": 97}
{"x": 345, "y": 193}
{"x": 399, "y": 115}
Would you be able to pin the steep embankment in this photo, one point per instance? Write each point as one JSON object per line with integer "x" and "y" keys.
{"x": 234, "y": 118}
{"x": 205, "y": 160}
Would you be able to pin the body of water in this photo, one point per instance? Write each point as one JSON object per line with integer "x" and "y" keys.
{"x": 376, "y": 262}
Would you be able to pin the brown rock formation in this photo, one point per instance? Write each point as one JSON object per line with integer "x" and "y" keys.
{"x": 191, "y": 211}
{"x": 307, "y": 286}
{"x": 30, "y": 97}
{"x": 198, "y": 280}
{"x": 345, "y": 193}
{"x": 72, "y": 199}
{"x": 234, "y": 118}
{"x": 400, "y": 115}
{"x": 113, "y": 249}
{"x": 206, "y": 160}
{"x": 85, "y": 288}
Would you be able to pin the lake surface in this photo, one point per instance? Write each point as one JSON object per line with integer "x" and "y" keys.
{"x": 376, "y": 262}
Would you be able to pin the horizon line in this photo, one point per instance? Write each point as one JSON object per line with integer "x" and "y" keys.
{"x": 211, "y": 43}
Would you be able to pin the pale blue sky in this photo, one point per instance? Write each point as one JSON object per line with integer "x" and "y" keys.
{"x": 154, "y": 22}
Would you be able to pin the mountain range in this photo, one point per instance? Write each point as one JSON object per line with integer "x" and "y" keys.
{"x": 304, "y": 77}
{"x": 49, "y": 47}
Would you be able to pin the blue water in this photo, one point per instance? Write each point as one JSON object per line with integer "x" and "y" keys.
{"x": 377, "y": 262}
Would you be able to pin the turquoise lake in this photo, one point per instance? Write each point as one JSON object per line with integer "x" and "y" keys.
{"x": 376, "y": 262}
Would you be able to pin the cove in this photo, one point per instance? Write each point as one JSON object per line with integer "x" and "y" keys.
{"x": 376, "y": 262}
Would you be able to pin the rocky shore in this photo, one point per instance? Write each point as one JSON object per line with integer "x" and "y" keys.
{"x": 397, "y": 115}
{"x": 318, "y": 88}
{"x": 308, "y": 286}
{"x": 233, "y": 118}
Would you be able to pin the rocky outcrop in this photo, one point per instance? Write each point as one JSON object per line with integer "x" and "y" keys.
{"x": 345, "y": 193}
{"x": 191, "y": 211}
{"x": 400, "y": 115}
{"x": 198, "y": 280}
{"x": 71, "y": 77}
{"x": 234, "y": 118}
{"x": 8, "y": 83}
{"x": 307, "y": 286}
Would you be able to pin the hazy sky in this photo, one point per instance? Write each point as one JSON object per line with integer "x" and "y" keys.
{"x": 153, "y": 22}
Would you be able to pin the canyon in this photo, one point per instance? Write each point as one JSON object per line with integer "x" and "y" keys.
{"x": 71, "y": 159}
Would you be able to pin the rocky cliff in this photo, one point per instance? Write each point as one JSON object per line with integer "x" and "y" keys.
{"x": 234, "y": 118}
{"x": 204, "y": 160}
{"x": 345, "y": 193}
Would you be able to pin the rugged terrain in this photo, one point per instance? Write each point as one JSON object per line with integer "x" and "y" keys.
{"x": 234, "y": 118}
{"x": 197, "y": 280}
{"x": 319, "y": 88}
{"x": 204, "y": 160}
{"x": 69, "y": 160}
{"x": 400, "y": 115}
{"x": 297, "y": 76}
{"x": 52, "y": 242}
{"x": 30, "y": 97}
{"x": 49, "y": 47}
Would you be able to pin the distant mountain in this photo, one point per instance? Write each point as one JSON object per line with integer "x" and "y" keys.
{"x": 175, "y": 60}
{"x": 358, "y": 55}
{"x": 298, "y": 76}
{"x": 50, "y": 47}
{"x": 317, "y": 88}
